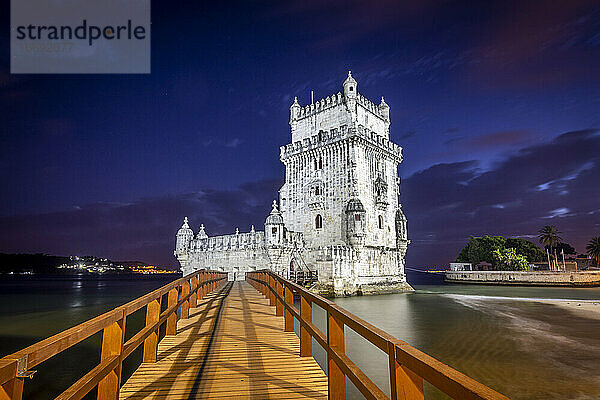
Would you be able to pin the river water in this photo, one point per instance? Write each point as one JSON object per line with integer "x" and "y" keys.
{"x": 514, "y": 339}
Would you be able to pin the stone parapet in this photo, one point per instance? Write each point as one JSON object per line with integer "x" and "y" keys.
{"x": 529, "y": 278}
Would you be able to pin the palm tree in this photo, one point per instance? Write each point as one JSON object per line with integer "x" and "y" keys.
{"x": 593, "y": 249}
{"x": 548, "y": 236}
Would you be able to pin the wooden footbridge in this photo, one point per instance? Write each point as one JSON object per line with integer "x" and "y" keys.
{"x": 235, "y": 340}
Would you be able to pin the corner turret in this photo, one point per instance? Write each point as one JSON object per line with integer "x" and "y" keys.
{"x": 350, "y": 86}
{"x": 294, "y": 110}
{"x": 384, "y": 110}
{"x": 274, "y": 226}
{"x": 184, "y": 238}
{"x": 355, "y": 222}
{"x": 350, "y": 93}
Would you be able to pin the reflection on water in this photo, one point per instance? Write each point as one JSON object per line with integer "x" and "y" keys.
{"x": 33, "y": 308}
{"x": 514, "y": 339}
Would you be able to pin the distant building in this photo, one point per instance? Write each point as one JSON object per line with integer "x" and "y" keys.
{"x": 484, "y": 266}
{"x": 461, "y": 266}
{"x": 338, "y": 212}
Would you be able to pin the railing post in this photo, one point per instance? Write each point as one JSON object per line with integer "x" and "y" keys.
{"x": 151, "y": 342}
{"x": 270, "y": 291}
{"x": 113, "y": 337}
{"x": 335, "y": 340}
{"x": 289, "y": 318}
{"x": 194, "y": 289}
{"x": 305, "y": 338}
{"x": 202, "y": 285}
{"x": 404, "y": 383}
{"x": 172, "y": 318}
{"x": 278, "y": 302}
{"x": 185, "y": 306}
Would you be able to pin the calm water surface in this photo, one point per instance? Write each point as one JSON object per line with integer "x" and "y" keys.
{"x": 510, "y": 338}
{"x": 33, "y": 308}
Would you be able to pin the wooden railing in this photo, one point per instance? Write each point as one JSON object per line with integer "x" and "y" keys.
{"x": 181, "y": 294}
{"x": 408, "y": 367}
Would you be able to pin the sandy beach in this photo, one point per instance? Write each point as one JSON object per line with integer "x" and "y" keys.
{"x": 582, "y": 308}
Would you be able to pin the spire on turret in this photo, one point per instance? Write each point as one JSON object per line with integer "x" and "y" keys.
{"x": 384, "y": 110}
{"x": 349, "y": 79}
{"x": 275, "y": 209}
{"x": 202, "y": 234}
{"x": 185, "y": 223}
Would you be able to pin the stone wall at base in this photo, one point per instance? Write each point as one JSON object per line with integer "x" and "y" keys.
{"x": 533, "y": 278}
{"x": 345, "y": 288}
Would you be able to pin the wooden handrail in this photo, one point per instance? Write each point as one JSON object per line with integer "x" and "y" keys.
{"x": 408, "y": 366}
{"x": 183, "y": 294}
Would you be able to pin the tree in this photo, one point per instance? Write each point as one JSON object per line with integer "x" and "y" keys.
{"x": 566, "y": 247}
{"x": 509, "y": 260}
{"x": 481, "y": 248}
{"x": 529, "y": 250}
{"x": 549, "y": 236}
{"x": 593, "y": 249}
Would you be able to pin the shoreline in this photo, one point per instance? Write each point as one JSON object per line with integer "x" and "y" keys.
{"x": 581, "y": 308}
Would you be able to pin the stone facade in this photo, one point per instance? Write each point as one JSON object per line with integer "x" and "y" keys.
{"x": 338, "y": 212}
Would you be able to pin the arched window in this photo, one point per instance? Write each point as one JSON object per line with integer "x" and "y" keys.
{"x": 320, "y": 163}
{"x": 380, "y": 222}
{"x": 316, "y": 165}
{"x": 320, "y": 135}
{"x": 318, "y": 221}
{"x": 317, "y": 190}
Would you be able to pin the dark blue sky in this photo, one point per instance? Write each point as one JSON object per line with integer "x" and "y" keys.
{"x": 496, "y": 104}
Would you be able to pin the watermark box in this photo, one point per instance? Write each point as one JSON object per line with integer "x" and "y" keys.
{"x": 80, "y": 36}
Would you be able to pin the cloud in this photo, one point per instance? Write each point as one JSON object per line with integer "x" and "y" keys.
{"x": 490, "y": 140}
{"x": 554, "y": 182}
{"x": 142, "y": 230}
{"x": 235, "y": 142}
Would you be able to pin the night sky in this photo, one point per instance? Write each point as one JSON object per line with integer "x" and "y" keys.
{"x": 496, "y": 104}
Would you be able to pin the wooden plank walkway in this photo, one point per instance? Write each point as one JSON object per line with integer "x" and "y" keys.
{"x": 244, "y": 355}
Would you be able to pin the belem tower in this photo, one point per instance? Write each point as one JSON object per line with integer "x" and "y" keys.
{"x": 338, "y": 212}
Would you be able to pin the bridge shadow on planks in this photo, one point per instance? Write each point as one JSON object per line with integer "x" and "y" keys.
{"x": 232, "y": 346}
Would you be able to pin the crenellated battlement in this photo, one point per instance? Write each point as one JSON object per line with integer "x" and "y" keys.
{"x": 334, "y": 135}
{"x": 336, "y": 100}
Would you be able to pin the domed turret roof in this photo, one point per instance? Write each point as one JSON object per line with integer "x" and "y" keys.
{"x": 400, "y": 215}
{"x": 355, "y": 205}
{"x": 349, "y": 79}
{"x": 275, "y": 217}
{"x": 185, "y": 228}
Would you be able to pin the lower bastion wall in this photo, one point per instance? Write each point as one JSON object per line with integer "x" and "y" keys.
{"x": 342, "y": 270}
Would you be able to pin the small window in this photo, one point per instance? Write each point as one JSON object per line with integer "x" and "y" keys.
{"x": 351, "y": 88}
{"x": 320, "y": 163}
{"x": 320, "y": 135}
{"x": 318, "y": 221}
{"x": 317, "y": 190}
{"x": 380, "y": 222}
{"x": 274, "y": 231}
{"x": 357, "y": 217}
{"x": 316, "y": 165}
